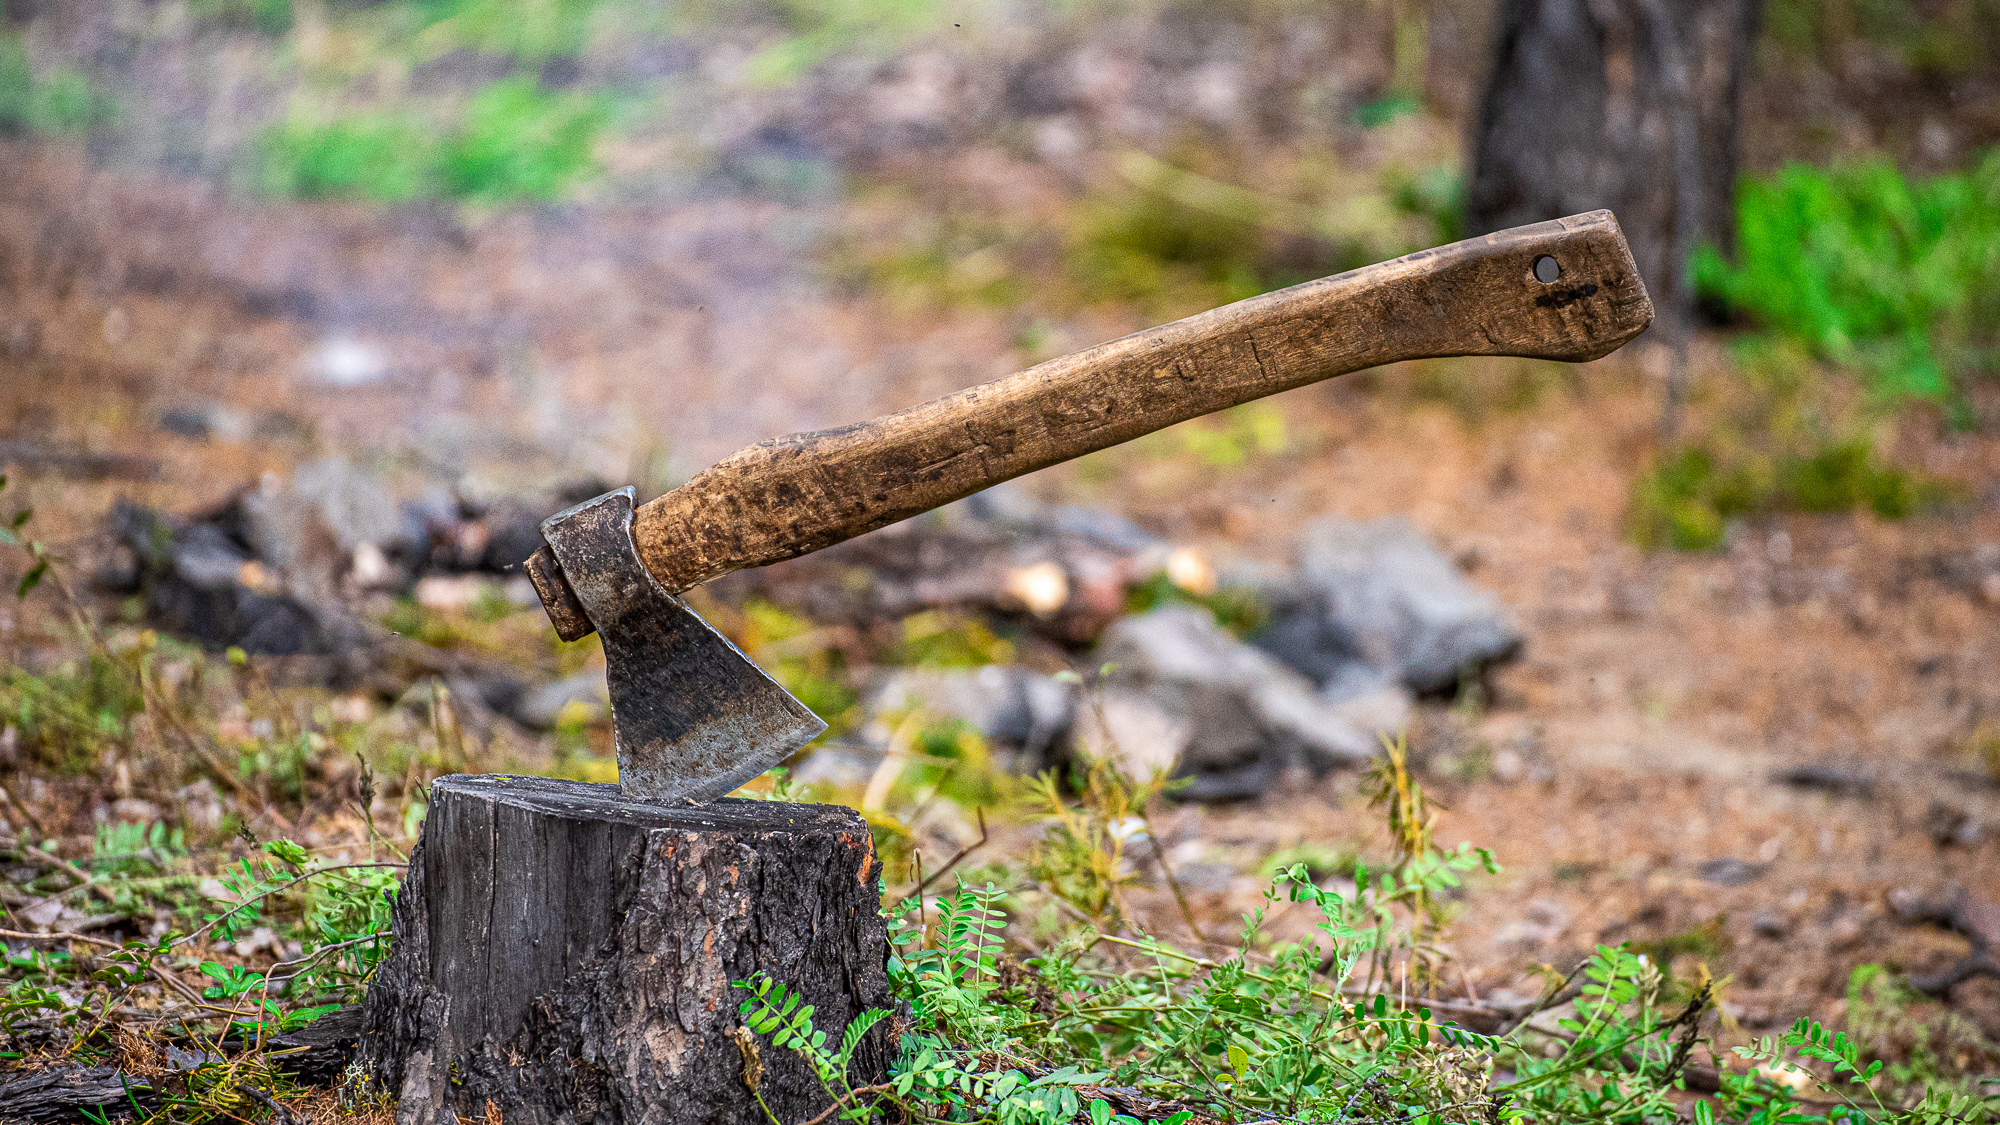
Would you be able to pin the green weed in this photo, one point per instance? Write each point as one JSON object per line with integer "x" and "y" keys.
{"x": 1081, "y": 855}
{"x": 1311, "y": 1031}
{"x": 1688, "y": 498}
{"x": 520, "y": 141}
{"x": 1896, "y": 278}
{"x": 265, "y": 17}
{"x": 1233, "y": 436}
{"x": 1436, "y": 193}
{"x": 941, "y": 639}
{"x": 73, "y": 718}
{"x": 1934, "y": 1047}
{"x": 1984, "y": 745}
{"x": 1288, "y": 1032}
{"x": 797, "y": 654}
{"x": 513, "y": 140}
{"x": 818, "y": 29}
{"x": 1148, "y": 247}
{"x": 1478, "y": 390}
{"x": 384, "y": 156}
{"x": 1785, "y": 435}
{"x": 54, "y": 102}
{"x": 1181, "y": 233}
{"x": 1236, "y": 609}
{"x": 1944, "y": 41}
{"x": 1322, "y": 861}
{"x": 531, "y": 30}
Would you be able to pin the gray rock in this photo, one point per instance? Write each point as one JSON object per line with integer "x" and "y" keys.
{"x": 1216, "y": 787}
{"x": 1948, "y": 824}
{"x": 1241, "y": 707}
{"x": 1008, "y": 511}
{"x": 1022, "y": 713}
{"x": 1379, "y": 596}
{"x": 836, "y": 764}
{"x": 135, "y": 810}
{"x": 310, "y": 528}
{"x": 205, "y": 419}
{"x": 1729, "y": 872}
{"x": 1206, "y": 876}
{"x": 1137, "y": 734}
{"x": 200, "y": 583}
{"x": 1065, "y": 571}
{"x": 540, "y": 707}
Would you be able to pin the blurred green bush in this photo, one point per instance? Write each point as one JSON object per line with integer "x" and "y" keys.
{"x": 1934, "y": 40}
{"x": 514, "y": 140}
{"x": 1686, "y": 501}
{"x": 54, "y": 102}
{"x": 1785, "y": 434}
{"x": 1898, "y": 279}
{"x": 1893, "y": 281}
{"x": 265, "y": 17}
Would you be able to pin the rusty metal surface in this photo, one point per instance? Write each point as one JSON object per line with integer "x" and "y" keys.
{"x": 565, "y": 612}
{"x": 692, "y": 716}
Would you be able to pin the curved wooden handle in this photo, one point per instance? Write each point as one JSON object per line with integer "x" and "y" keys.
{"x": 794, "y": 495}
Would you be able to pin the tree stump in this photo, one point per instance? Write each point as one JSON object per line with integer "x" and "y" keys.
{"x": 566, "y": 956}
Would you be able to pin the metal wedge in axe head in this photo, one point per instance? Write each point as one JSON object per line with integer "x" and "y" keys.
{"x": 693, "y": 718}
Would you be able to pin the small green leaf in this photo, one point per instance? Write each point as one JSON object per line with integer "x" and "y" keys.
{"x": 32, "y": 579}
{"x": 236, "y": 655}
{"x": 22, "y": 517}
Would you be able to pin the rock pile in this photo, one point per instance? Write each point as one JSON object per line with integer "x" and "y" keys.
{"x": 1063, "y": 570}
{"x": 1369, "y": 617}
{"x": 1375, "y": 602}
{"x": 273, "y": 569}
{"x": 1372, "y": 616}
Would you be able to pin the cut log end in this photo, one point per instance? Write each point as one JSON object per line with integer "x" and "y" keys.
{"x": 568, "y": 956}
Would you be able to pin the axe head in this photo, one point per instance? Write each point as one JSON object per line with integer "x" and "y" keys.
{"x": 693, "y": 718}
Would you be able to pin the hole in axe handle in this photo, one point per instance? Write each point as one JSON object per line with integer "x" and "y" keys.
{"x": 565, "y": 611}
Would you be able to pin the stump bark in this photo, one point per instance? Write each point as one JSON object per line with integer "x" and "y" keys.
{"x": 567, "y": 956}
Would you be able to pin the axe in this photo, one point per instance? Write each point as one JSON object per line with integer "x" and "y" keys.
{"x": 693, "y": 718}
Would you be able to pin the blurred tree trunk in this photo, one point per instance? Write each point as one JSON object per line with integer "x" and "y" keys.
{"x": 1626, "y": 104}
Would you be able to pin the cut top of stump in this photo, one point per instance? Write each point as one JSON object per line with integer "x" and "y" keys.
{"x": 586, "y": 801}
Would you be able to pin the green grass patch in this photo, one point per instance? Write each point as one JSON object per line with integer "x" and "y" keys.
{"x": 1236, "y": 609}
{"x": 265, "y": 17}
{"x": 70, "y": 718}
{"x": 513, "y": 140}
{"x": 1893, "y": 277}
{"x": 1934, "y": 40}
{"x": 383, "y": 157}
{"x": 1687, "y": 500}
{"x": 520, "y": 141}
{"x": 48, "y": 102}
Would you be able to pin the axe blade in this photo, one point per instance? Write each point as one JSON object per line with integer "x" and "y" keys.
{"x": 693, "y": 718}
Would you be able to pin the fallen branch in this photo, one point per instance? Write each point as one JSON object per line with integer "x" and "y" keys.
{"x": 967, "y": 850}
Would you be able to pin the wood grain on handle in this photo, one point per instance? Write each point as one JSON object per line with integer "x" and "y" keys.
{"x": 794, "y": 495}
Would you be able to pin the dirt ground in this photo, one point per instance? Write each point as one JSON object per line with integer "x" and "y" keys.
{"x": 1628, "y": 771}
